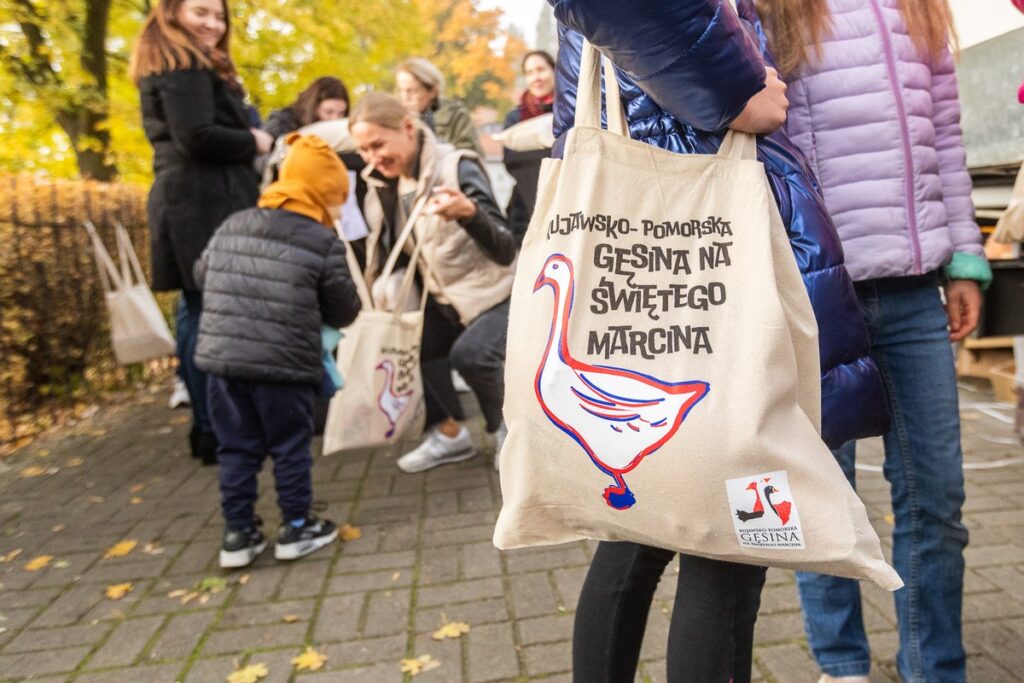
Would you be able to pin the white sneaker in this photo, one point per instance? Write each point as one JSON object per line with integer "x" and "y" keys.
{"x": 179, "y": 397}
{"x": 499, "y": 440}
{"x": 438, "y": 449}
{"x": 825, "y": 678}
{"x": 459, "y": 383}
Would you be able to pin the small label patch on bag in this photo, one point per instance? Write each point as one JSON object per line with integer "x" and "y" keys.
{"x": 764, "y": 512}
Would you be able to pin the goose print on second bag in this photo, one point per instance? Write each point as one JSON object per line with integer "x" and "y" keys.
{"x": 617, "y": 416}
{"x": 391, "y": 403}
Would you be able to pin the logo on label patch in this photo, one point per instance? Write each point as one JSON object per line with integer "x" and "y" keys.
{"x": 764, "y": 513}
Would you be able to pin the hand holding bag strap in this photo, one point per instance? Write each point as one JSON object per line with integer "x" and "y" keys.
{"x": 110, "y": 278}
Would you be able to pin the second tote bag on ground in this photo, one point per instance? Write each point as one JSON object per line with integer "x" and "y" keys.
{"x": 664, "y": 382}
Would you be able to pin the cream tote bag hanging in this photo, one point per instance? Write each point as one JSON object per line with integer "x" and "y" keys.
{"x": 138, "y": 330}
{"x": 664, "y": 382}
{"x": 379, "y": 357}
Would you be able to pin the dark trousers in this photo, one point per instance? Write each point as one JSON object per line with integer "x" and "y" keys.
{"x": 187, "y": 334}
{"x": 254, "y": 419}
{"x": 710, "y": 639}
{"x": 476, "y": 351}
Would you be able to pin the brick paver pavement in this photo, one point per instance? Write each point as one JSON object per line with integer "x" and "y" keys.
{"x": 425, "y": 557}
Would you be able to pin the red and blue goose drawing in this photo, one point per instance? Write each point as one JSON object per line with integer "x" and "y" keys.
{"x": 617, "y": 416}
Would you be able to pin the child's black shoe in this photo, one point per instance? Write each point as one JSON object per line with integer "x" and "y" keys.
{"x": 242, "y": 546}
{"x": 295, "y": 541}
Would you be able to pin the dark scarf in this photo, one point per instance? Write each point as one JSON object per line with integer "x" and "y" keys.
{"x": 531, "y": 106}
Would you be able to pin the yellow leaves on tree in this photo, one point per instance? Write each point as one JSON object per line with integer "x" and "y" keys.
{"x": 118, "y": 590}
{"x": 249, "y": 674}
{"x": 453, "y": 629}
{"x": 37, "y": 563}
{"x": 120, "y": 549}
{"x": 478, "y": 57}
{"x": 417, "y": 665}
{"x": 309, "y": 660}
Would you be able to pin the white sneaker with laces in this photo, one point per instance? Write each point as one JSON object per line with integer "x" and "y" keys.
{"x": 499, "y": 440}
{"x": 438, "y": 449}
{"x": 825, "y": 678}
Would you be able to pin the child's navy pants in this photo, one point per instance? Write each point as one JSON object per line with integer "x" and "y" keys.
{"x": 255, "y": 419}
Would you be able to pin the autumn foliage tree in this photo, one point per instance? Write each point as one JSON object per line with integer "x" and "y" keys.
{"x": 68, "y": 108}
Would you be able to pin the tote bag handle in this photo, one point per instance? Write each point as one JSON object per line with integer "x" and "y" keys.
{"x": 735, "y": 145}
{"x": 110, "y": 277}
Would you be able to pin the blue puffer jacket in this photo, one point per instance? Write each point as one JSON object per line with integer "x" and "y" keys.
{"x": 686, "y": 67}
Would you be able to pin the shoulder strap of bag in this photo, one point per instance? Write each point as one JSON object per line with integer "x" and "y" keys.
{"x": 588, "y": 93}
{"x": 110, "y": 278}
{"x": 130, "y": 266}
{"x": 735, "y": 145}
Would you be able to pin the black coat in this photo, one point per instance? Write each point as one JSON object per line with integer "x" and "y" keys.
{"x": 203, "y": 162}
{"x": 270, "y": 278}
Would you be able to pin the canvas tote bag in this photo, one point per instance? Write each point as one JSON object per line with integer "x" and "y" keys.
{"x": 379, "y": 357}
{"x": 138, "y": 330}
{"x": 664, "y": 385}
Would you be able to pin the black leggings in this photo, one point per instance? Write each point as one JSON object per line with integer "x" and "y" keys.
{"x": 710, "y": 639}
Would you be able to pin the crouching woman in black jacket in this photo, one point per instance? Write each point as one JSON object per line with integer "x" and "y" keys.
{"x": 271, "y": 277}
{"x": 468, "y": 251}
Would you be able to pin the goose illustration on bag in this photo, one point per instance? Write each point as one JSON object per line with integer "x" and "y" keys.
{"x": 617, "y": 416}
{"x": 390, "y": 402}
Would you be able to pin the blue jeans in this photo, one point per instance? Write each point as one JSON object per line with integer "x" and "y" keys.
{"x": 923, "y": 464}
{"x": 187, "y": 334}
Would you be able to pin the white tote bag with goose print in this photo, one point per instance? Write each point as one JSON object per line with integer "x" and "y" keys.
{"x": 662, "y": 378}
{"x": 379, "y": 357}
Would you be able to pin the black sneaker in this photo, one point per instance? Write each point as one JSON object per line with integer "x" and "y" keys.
{"x": 242, "y": 546}
{"x": 294, "y": 542}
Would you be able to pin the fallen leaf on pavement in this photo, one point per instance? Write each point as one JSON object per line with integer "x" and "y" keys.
{"x": 43, "y": 453}
{"x": 136, "y": 488}
{"x": 120, "y": 549}
{"x": 891, "y": 520}
{"x": 309, "y": 660}
{"x": 350, "y": 533}
{"x": 153, "y": 549}
{"x": 37, "y": 563}
{"x": 118, "y": 590}
{"x": 61, "y": 564}
{"x": 244, "y": 579}
{"x": 177, "y": 593}
{"x": 136, "y": 500}
{"x": 10, "y": 556}
{"x": 33, "y": 471}
{"x": 289, "y": 618}
{"x": 96, "y": 499}
{"x": 418, "y": 665}
{"x": 396, "y": 576}
{"x": 249, "y": 674}
{"x": 453, "y": 629}
{"x": 57, "y": 528}
{"x": 74, "y": 462}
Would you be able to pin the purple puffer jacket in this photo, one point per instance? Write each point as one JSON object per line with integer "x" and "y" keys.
{"x": 880, "y": 125}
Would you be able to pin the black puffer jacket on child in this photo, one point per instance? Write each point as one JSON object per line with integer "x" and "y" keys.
{"x": 270, "y": 278}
